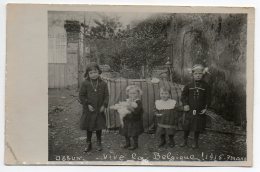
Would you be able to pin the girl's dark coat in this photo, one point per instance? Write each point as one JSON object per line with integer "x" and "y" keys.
{"x": 133, "y": 123}
{"x": 95, "y": 120}
{"x": 197, "y": 96}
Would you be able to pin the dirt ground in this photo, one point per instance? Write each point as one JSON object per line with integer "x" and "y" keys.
{"x": 67, "y": 141}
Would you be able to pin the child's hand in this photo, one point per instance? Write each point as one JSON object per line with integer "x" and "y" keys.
{"x": 203, "y": 111}
{"x": 91, "y": 108}
{"x": 102, "y": 109}
{"x": 186, "y": 108}
{"x": 130, "y": 108}
{"x": 158, "y": 114}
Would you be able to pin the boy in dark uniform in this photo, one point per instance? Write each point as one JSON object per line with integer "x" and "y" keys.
{"x": 195, "y": 98}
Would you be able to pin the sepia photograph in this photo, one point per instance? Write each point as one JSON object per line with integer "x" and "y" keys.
{"x": 147, "y": 86}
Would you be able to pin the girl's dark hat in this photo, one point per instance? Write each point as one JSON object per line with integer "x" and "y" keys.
{"x": 91, "y": 66}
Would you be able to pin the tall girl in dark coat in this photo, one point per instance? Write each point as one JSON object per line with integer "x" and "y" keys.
{"x": 133, "y": 122}
{"x": 195, "y": 98}
{"x": 94, "y": 97}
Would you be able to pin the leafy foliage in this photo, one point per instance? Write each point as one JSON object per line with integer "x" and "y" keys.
{"x": 215, "y": 40}
{"x": 146, "y": 44}
{"x": 106, "y": 28}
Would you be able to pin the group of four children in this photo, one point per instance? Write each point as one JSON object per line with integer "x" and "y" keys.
{"x": 195, "y": 99}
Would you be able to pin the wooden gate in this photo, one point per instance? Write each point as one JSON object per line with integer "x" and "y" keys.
{"x": 150, "y": 94}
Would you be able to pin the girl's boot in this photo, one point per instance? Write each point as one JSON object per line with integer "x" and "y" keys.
{"x": 89, "y": 144}
{"x": 99, "y": 145}
{"x": 171, "y": 141}
{"x": 185, "y": 139}
{"x": 88, "y": 147}
{"x": 135, "y": 145}
{"x": 127, "y": 142}
{"x": 195, "y": 144}
{"x": 162, "y": 141}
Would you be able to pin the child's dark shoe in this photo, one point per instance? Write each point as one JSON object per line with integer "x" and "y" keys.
{"x": 195, "y": 145}
{"x": 99, "y": 146}
{"x": 184, "y": 143}
{"x": 133, "y": 147}
{"x": 89, "y": 147}
{"x": 171, "y": 141}
{"x": 171, "y": 145}
{"x": 162, "y": 143}
{"x": 127, "y": 145}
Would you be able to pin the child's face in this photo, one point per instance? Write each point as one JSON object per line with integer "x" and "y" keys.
{"x": 133, "y": 94}
{"x": 93, "y": 74}
{"x": 164, "y": 95}
{"x": 197, "y": 75}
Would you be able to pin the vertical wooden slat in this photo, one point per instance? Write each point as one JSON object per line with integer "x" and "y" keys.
{"x": 56, "y": 74}
{"x": 108, "y": 109}
{"x": 157, "y": 91}
{"x": 123, "y": 87}
{"x": 109, "y": 104}
{"x": 145, "y": 104}
{"x": 116, "y": 100}
{"x": 59, "y": 75}
{"x": 62, "y": 76}
{"x": 53, "y": 75}
{"x": 65, "y": 76}
{"x": 50, "y": 76}
{"x": 151, "y": 100}
{"x": 148, "y": 105}
{"x": 120, "y": 88}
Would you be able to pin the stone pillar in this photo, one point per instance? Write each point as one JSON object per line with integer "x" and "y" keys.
{"x": 72, "y": 28}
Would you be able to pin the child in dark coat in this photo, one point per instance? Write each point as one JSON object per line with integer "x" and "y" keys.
{"x": 195, "y": 98}
{"x": 94, "y": 97}
{"x": 167, "y": 117}
{"x": 133, "y": 122}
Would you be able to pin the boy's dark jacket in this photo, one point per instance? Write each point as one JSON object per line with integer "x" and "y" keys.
{"x": 93, "y": 120}
{"x": 197, "y": 96}
{"x": 196, "y": 102}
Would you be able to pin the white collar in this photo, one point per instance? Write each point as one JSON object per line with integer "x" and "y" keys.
{"x": 161, "y": 104}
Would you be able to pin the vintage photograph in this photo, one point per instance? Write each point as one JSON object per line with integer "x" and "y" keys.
{"x": 142, "y": 86}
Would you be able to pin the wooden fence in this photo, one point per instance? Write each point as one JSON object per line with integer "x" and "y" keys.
{"x": 63, "y": 61}
{"x": 150, "y": 94}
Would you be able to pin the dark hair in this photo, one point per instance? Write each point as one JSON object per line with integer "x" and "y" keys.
{"x": 92, "y": 66}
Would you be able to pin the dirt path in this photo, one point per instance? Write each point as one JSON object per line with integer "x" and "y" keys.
{"x": 67, "y": 141}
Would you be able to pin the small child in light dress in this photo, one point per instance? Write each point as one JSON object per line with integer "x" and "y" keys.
{"x": 167, "y": 117}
